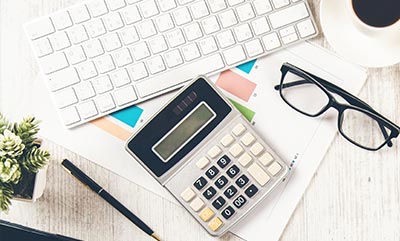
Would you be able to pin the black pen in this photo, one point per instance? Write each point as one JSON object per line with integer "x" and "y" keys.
{"x": 82, "y": 177}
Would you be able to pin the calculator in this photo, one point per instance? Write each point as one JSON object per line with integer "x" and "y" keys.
{"x": 208, "y": 156}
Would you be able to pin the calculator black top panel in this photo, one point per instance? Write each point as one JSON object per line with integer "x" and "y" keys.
{"x": 179, "y": 127}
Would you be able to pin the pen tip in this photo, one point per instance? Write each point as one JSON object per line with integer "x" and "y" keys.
{"x": 155, "y": 236}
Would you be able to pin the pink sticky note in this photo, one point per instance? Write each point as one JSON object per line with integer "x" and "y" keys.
{"x": 236, "y": 85}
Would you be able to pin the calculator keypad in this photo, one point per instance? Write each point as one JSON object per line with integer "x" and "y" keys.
{"x": 233, "y": 172}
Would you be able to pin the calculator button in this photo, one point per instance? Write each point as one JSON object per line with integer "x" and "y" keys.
{"x": 239, "y": 201}
{"x": 233, "y": 171}
{"x": 197, "y": 204}
{"x": 247, "y": 139}
{"x": 236, "y": 150}
{"x": 256, "y": 149}
{"x": 188, "y": 194}
{"x": 238, "y": 129}
{"x": 200, "y": 183}
{"x": 230, "y": 192}
{"x": 274, "y": 168}
{"x": 221, "y": 182}
{"x": 223, "y": 161}
{"x": 227, "y": 140}
{"x": 215, "y": 224}
{"x": 209, "y": 193}
{"x": 242, "y": 181}
{"x": 212, "y": 172}
{"x": 266, "y": 158}
{"x": 251, "y": 191}
{"x": 219, "y": 203}
{"x": 214, "y": 151}
{"x": 259, "y": 174}
{"x": 228, "y": 212}
{"x": 202, "y": 163}
{"x": 245, "y": 159}
{"x": 206, "y": 214}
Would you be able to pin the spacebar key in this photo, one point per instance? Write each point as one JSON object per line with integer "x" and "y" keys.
{"x": 180, "y": 75}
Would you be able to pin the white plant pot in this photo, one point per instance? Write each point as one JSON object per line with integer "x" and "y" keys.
{"x": 39, "y": 186}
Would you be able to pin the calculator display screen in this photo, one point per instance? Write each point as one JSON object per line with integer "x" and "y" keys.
{"x": 184, "y": 131}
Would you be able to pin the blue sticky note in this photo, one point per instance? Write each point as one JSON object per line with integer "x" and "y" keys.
{"x": 129, "y": 116}
{"x": 246, "y": 67}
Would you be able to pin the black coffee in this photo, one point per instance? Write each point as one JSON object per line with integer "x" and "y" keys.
{"x": 377, "y": 13}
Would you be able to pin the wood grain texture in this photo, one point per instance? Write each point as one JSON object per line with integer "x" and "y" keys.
{"x": 354, "y": 195}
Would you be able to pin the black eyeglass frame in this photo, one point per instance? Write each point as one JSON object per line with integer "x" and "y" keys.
{"x": 354, "y": 103}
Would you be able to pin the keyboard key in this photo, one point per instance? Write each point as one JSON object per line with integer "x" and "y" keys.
{"x": 79, "y": 13}
{"x": 70, "y": 116}
{"x": 40, "y": 28}
{"x": 230, "y": 192}
{"x": 102, "y": 84}
{"x": 214, "y": 151}
{"x": 53, "y": 62}
{"x": 245, "y": 12}
{"x": 212, "y": 172}
{"x": 166, "y": 5}
{"x": 223, "y": 161}
{"x": 259, "y": 174}
{"x": 63, "y": 78}
{"x": 233, "y": 171}
{"x": 206, "y": 214}
{"x": 146, "y": 29}
{"x": 192, "y": 31}
{"x": 182, "y": 16}
{"x": 129, "y": 35}
{"x": 235, "y": 2}
{"x": 148, "y": 8}
{"x": 209, "y": 193}
{"x": 138, "y": 71}
{"x": 188, "y": 194}
{"x": 280, "y": 3}
{"x": 225, "y": 39}
{"x": 164, "y": 22}
{"x": 256, "y": 149}
{"x": 260, "y": 26}
{"x": 290, "y": 38}
{"x": 95, "y": 27}
{"x": 61, "y": 20}
{"x": 60, "y": 40}
{"x": 216, "y": 5}
{"x": 111, "y": 42}
{"x": 197, "y": 204}
{"x": 202, "y": 163}
{"x": 243, "y": 32}
{"x": 274, "y": 168}
{"x": 125, "y": 95}
{"x": 254, "y": 48}
{"x": 221, "y": 182}
{"x": 271, "y": 41}
{"x": 122, "y": 57}
{"x": 228, "y": 212}
{"x": 140, "y": 51}
{"x": 227, "y": 140}
{"x": 93, "y": 48}
{"x": 97, "y": 8}
{"x": 87, "y": 109}
{"x": 215, "y": 224}
{"x": 242, "y": 181}
{"x": 116, "y": 4}
{"x": 262, "y": 6}
{"x": 234, "y": 55}
{"x": 251, "y": 191}
{"x": 77, "y": 34}
{"x": 120, "y": 78}
{"x": 156, "y": 65}
{"x": 113, "y": 21}
{"x": 84, "y": 90}
{"x": 245, "y": 159}
{"x": 239, "y": 201}
{"x": 86, "y": 70}
{"x": 219, "y": 202}
{"x": 158, "y": 44}
{"x": 191, "y": 52}
{"x": 236, "y": 150}
{"x": 65, "y": 97}
{"x": 75, "y": 54}
{"x": 42, "y": 47}
{"x": 199, "y": 9}
{"x": 159, "y": 83}
{"x": 105, "y": 103}
{"x": 104, "y": 64}
{"x": 227, "y": 18}
{"x": 306, "y": 28}
{"x": 247, "y": 139}
{"x": 266, "y": 158}
{"x": 175, "y": 38}
{"x": 210, "y": 25}
{"x": 200, "y": 183}
{"x": 131, "y": 14}
{"x": 288, "y": 15}
{"x": 173, "y": 58}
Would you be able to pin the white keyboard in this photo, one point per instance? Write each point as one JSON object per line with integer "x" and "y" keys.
{"x": 102, "y": 56}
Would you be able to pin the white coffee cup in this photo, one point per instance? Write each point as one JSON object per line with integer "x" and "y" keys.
{"x": 390, "y": 32}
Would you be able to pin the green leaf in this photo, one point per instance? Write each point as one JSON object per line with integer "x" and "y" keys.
{"x": 6, "y": 194}
{"x": 26, "y": 130}
{"x": 35, "y": 159}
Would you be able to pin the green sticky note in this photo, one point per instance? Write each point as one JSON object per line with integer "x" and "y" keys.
{"x": 246, "y": 112}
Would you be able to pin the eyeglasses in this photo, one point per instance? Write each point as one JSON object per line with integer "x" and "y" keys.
{"x": 357, "y": 121}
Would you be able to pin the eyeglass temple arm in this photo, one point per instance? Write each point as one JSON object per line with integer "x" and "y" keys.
{"x": 344, "y": 94}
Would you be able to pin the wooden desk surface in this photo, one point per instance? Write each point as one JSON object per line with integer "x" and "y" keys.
{"x": 355, "y": 194}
